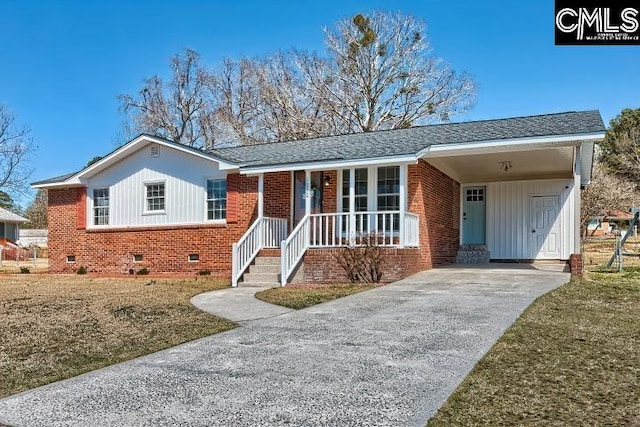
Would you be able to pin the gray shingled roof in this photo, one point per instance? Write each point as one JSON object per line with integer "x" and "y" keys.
{"x": 398, "y": 142}
{"x": 8, "y": 216}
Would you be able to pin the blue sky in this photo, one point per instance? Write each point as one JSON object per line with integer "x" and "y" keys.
{"x": 63, "y": 63}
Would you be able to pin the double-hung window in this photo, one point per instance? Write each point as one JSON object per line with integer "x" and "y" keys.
{"x": 155, "y": 197}
{"x": 216, "y": 199}
{"x": 101, "y": 206}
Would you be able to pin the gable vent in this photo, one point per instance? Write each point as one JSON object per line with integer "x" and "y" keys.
{"x": 155, "y": 150}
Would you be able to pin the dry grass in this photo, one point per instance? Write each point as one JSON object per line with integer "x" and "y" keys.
{"x": 56, "y": 327}
{"x": 597, "y": 251}
{"x": 298, "y": 297}
{"x": 571, "y": 359}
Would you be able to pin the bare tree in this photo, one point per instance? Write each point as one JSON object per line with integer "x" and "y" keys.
{"x": 36, "y": 213}
{"x": 380, "y": 74}
{"x": 15, "y": 146}
{"x": 178, "y": 109}
{"x": 607, "y": 192}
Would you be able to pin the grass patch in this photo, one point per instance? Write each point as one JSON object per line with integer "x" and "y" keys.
{"x": 298, "y": 297}
{"x": 570, "y": 359}
{"x": 56, "y": 327}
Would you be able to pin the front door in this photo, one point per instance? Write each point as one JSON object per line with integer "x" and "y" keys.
{"x": 299, "y": 195}
{"x": 473, "y": 216}
{"x": 545, "y": 227}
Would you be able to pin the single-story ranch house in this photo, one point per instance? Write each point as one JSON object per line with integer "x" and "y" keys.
{"x": 506, "y": 189}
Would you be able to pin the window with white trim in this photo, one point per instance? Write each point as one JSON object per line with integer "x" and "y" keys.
{"x": 361, "y": 197}
{"x": 155, "y": 197}
{"x": 216, "y": 199}
{"x": 101, "y": 206}
{"x": 388, "y": 190}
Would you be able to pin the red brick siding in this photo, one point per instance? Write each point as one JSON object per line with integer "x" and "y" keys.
{"x": 576, "y": 265}
{"x": 435, "y": 197}
{"x": 164, "y": 249}
{"x": 320, "y": 265}
{"x": 277, "y": 195}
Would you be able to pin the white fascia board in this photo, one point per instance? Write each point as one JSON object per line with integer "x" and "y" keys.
{"x": 586, "y": 152}
{"x": 63, "y": 184}
{"x": 504, "y": 145}
{"x": 325, "y": 165}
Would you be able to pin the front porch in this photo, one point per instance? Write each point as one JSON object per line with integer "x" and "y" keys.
{"x": 327, "y": 210}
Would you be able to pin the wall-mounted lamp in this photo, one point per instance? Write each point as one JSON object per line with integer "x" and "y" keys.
{"x": 327, "y": 180}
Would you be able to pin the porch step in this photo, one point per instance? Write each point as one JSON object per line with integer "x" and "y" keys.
{"x": 262, "y": 277}
{"x": 473, "y": 254}
{"x": 265, "y": 271}
{"x": 267, "y": 260}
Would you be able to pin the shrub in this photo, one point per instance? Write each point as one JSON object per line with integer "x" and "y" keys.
{"x": 363, "y": 263}
{"x": 143, "y": 271}
{"x": 24, "y": 270}
{"x": 82, "y": 270}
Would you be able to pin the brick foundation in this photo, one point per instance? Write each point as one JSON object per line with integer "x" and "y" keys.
{"x": 320, "y": 265}
{"x": 576, "y": 266}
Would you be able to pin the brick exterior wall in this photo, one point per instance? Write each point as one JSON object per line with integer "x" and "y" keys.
{"x": 164, "y": 249}
{"x": 431, "y": 194}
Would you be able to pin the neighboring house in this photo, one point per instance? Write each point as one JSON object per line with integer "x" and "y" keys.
{"x": 33, "y": 237}
{"x": 506, "y": 189}
{"x": 10, "y": 225}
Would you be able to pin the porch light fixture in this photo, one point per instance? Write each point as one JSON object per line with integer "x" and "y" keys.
{"x": 327, "y": 180}
{"x": 506, "y": 165}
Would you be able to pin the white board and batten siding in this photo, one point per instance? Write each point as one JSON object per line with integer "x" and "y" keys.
{"x": 510, "y": 222}
{"x": 184, "y": 176}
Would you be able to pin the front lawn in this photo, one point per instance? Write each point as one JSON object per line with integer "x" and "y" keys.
{"x": 54, "y": 327}
{"x": 301, "y": 296}
{"x": 572, "y": 358}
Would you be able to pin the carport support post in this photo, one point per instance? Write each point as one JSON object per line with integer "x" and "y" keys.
{"x": 260, "y": 195}
{"x": 577, "y": 176}
{"x": 307, "y": 192}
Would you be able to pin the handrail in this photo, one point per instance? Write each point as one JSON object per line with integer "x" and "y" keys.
{"x": 293, "y": 249}
{"x": 264, "y": 233}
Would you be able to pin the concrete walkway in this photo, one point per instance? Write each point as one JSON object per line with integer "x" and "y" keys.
{"x": 390, "y": 356}
{"x": 238, "y": 304}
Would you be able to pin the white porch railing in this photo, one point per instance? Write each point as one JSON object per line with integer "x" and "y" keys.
{"x": 330, "y": 230}
{"x": 264, "y": 233}
{"x": 293, "y": 248}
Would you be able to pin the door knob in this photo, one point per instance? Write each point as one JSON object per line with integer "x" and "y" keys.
{"x": 533, "y": 231}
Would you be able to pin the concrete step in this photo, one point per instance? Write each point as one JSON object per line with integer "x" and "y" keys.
{"x": 264, "y": 268}
{"x": 267, "y": 260}
{"x": 258, "y": 285}
{"x": 473, "y": 254}
{"x": 261, "y": 277}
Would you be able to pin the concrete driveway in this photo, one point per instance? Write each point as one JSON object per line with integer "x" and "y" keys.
{"x": 389, "y": 356}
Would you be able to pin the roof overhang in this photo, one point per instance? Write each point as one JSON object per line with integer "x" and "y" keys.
{"x": 328, "y": 164}
{"x": 79, "y": 179}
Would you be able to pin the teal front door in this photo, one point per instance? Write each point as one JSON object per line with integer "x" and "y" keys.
{"x": 473, "y": 216}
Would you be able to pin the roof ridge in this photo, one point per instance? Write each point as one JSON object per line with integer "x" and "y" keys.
{"x": 404, "y": 129}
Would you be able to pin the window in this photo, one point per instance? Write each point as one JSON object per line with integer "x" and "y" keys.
{"x": 216, "y": 199}
{"x": 389, "y": 197}
{"x": 71, "y": 259}
{"x": 137, "y": 258}
{"x": 101, "y": 206}
{"x": 194, "y": 257}
{"x": 475, "y": 195}
{"x": 155, "y": 197}
{"x": 361, "y": 197}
